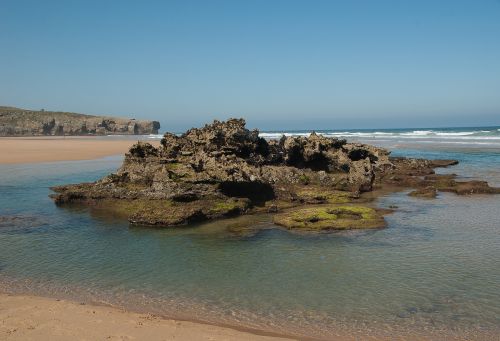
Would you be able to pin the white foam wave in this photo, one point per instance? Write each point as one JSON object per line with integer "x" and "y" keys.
{"x": 465, "y": 133}
{"x": 417, "y": 133}
{"x": 487, "y": 136}
{"x": 432, "y": 135}
{"x": 155, "y": 136}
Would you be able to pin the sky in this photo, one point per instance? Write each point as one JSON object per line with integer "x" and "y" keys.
{"x": 281, "y": 64}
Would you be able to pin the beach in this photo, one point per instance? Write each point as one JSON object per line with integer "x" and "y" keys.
{"x": 50, "y": 149}
{"x": 38, "y": 318}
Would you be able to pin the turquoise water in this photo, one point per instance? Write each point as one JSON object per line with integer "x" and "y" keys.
{"x": 433, "y": 272}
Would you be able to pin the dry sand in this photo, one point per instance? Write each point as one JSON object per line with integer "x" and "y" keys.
{"x": 38, "y": 318}
{"x": 46, "y": 149}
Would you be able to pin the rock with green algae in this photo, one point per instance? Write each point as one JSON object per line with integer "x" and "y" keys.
{"x": 172, "y": 213}
{"x": 420, "y": 175}
{"x": 224, "y": 169}
{"x": 331, "y": 218}
{"x": 323, "y": 195}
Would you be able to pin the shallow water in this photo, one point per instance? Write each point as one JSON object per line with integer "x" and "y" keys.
{"x": 433, "y": 271}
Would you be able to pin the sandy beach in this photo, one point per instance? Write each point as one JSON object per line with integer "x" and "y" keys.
{"x": 49, "y": 149}
{"x": 38, "y": 318}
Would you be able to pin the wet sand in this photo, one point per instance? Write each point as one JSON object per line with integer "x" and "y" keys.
{"x": 38, "y": 318}
{"x": 49, "y": 149}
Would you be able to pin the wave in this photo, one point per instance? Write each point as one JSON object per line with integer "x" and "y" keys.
{"x": 479, "y": 136}
{"x": 155, "y": 136}
{"x": 413, "y": 134}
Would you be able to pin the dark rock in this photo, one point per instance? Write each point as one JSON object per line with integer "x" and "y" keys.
{"x": 224, "y": 169}
{"x": 419, "y": 174}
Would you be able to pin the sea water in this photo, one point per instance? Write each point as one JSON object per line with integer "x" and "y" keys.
{"x": 433, "y": 272}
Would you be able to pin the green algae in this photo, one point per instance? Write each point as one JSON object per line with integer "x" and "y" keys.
{"x": 304, "y": 179}
{"x": 228, "y": 206}
{"x": 331, "y": 217}
{"x": 315, "y": 194}
{"x": 131, "y": 207}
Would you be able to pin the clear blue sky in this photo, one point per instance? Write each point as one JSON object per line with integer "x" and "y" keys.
{"x": 280, "y": 64}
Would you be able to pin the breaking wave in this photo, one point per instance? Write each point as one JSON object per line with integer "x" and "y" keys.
{"x": 449, "y": 135}
{"x": 480, "y": 136}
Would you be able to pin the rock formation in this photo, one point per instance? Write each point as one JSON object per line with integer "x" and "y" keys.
{"x": 20, "y": 122}
{"x": 224, "y": 169}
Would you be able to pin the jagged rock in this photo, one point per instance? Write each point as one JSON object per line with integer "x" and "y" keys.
{"x": 20, "y": 122}
{"x": 225, "y": 169}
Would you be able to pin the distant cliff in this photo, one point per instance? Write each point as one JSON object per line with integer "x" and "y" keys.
{"x": 21, "y": 122}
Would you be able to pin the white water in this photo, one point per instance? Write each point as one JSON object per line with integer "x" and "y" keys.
{"x": 483, "y": 136}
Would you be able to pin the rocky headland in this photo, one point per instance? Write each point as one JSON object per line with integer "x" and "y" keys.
{"x": 21, "y": 122}
{"x": 224, "y": 169}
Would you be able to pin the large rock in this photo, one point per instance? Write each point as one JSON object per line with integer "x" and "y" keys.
{"x": 20, "y": 122}
{"x": 225, "y": 169}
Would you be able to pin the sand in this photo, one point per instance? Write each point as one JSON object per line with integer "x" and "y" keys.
{"x": 49, "y": 149}
{"x": 38, "y": 318}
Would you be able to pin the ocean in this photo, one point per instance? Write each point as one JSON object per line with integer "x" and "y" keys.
{"x": 432, "y": 273}
{"x": 470, "y": 136}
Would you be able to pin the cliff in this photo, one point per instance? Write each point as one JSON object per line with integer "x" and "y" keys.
{"x": 21, "y": 122}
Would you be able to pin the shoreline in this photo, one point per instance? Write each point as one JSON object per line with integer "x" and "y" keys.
{"x": 28, "y": 317}
{"x": 20, "y": 150}
{"x": 33, "y": 317}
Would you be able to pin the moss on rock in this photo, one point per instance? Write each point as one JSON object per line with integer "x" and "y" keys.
{"x": 318, "y": 195}
{"x": 170, "y": 213}
{"x": 331, "y": 218}
{"x": 228, "y": 207}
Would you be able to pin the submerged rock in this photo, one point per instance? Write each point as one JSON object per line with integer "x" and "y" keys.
{"x": 426, "y": 192}
{"x": 21, "y": 221}
{"x": 224, "y": 169}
